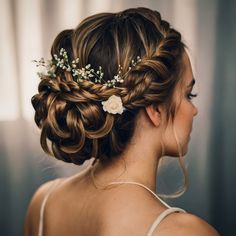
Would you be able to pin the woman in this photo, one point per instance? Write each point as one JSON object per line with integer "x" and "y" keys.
{"x": 118, "y": 90}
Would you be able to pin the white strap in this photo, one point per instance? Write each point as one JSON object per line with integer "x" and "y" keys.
{"x": 161, "y": 217}
{"x": 40, "y": 232}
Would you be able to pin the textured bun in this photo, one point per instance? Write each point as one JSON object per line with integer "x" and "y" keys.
{"x": 71, "y": 118}
{"x": 74, "y": 125}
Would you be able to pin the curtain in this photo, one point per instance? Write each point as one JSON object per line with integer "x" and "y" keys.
{"x": 27, "y": 31}
{"x": 222, "y": 149}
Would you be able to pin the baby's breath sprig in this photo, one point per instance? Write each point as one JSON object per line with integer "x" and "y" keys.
{"x": 49, "y": 68}
{"x": 119, "y": 77}
{"x": 116, "y": 79}
{"x": 80, "y": 74}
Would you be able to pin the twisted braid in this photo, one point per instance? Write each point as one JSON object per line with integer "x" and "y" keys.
{"x": 150, "y": 80}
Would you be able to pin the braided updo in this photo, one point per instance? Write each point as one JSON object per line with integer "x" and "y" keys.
{"x": 74, "y": 125}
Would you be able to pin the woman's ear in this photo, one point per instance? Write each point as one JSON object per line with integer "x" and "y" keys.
{"x": 154, "y": 114}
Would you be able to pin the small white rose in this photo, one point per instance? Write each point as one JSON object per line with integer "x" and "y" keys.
{"x": 113, "y": 105}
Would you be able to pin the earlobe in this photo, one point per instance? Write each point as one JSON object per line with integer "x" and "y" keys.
{"x": 154, "y": 114}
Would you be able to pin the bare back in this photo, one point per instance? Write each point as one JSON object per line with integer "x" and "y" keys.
{"x": 99, "y": 212}
{"x": 75, "y": 207}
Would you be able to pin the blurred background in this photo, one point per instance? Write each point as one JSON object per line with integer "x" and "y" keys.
{"x": 27, "y": 30}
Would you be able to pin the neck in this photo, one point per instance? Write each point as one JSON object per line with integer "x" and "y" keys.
{"x": 136, "y": 165}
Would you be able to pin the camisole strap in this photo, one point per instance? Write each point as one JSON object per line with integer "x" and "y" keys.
{"x": 161, "y": 217}
{"x": 53, "y": 185}
{"x": 164, "y": 214}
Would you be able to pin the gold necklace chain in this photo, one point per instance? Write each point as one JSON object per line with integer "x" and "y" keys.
{"x": 111, "y": 184}
{"x": 97, "y": 186}
{"x": 103, "y": 187}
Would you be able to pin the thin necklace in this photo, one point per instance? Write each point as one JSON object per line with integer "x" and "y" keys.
{"x": 96, "y": 185}
{"x": 99, "y": 186}
{"x": 103, "y": 187}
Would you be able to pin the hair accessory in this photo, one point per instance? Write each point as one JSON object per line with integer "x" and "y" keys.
{"x": 79, "y": 74}
{"x": 113, "y": 105}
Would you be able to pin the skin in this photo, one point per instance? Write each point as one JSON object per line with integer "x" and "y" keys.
{"x": 143, "y": 155}
{"x": 94, "y": 211}
{"x": 185, "y": 113}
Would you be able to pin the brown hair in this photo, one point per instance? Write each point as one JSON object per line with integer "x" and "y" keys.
{"x": 73, "y": 122}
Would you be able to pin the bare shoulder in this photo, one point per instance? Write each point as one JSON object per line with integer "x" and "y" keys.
{"x": 33, "y": 211}
{"x": 185, "y": 224}
{"x": 128, "y": 206}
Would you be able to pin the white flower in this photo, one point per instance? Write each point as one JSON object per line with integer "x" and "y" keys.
{"x": 113, "y": 105}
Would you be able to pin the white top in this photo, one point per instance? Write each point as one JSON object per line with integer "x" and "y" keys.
{"x": 153, "y": 226}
